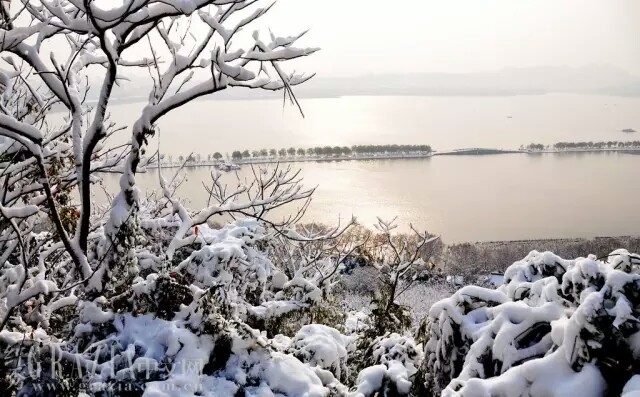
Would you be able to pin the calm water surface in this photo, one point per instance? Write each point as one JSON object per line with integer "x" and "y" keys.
{"x": 207, "y": 126}
{"x": 469, "y": 198}
{"x": 462, "y": 198}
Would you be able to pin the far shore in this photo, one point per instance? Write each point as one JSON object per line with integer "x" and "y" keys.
{"x": 497, "y": 255}
{"x": 633, "y": 150}
{"x": 391, "y": 156}
{"x": 318, "y": 159}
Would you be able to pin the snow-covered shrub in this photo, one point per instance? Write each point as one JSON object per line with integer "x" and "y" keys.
{"x": 391, "y": 364}
{"x": 357, "y": 321}
{"x": 324, "y": 347}
{"x": 230, "y": 266}
{"x": 632, "y": 387}
{"x": 187, "y": 326}
{"x": 396, "y": 347}
{"x": 306, "y": 268}
{"x": 555, "y": 328}
{"x": 149, "y": 356}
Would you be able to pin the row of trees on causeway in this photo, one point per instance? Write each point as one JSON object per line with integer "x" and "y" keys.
{"x": 328, "y": 151}
{"x": 312, "y": 152}
{"x": 584, "y": 145}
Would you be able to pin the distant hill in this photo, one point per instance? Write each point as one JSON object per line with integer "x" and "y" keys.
{"x": 592, "y": 79}
{"x": 514, "y": 81}
{"x": 632, "y": 89}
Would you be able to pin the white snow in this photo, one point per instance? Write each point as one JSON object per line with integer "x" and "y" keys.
{"x": 322, "y": 346}
{"x": 539, "y": 334}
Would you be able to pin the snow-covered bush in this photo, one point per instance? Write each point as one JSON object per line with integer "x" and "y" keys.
{"x": 392, "y": 362}
{"x": 324, "y": 347}
{"x": 356, "y": 322}
{"x": 190, "y": 318}
{"x": 555, "y": 328}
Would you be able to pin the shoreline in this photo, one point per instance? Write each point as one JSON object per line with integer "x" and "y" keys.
{"x": 603, "y": 150}
{"x": 552, "y": 240}
{"x": 497, "y": 255}
{"x": 300, "y": 160}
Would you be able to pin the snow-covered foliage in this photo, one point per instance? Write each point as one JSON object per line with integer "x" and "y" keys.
{"x": 393, "y": 361}
{"x": 555, "y": 327}
{"x": 47, "y": 50}
{"x": 144, "y": 298}
{"x": 185, "y": 326}
{"x": 135, "y": 294}
{"x": 324, "y": 347}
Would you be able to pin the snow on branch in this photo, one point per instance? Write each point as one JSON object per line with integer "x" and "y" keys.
{"x": 43, "y": 166}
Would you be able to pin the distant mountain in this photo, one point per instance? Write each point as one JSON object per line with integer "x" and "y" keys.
{"x": 591, "y": 79}
{"x": 632, "y": 89}
{"x": 513, "y": 81}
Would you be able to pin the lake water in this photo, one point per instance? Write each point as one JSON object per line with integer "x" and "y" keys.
{"x": 207, "y": 126}
{"x": 468, "y": 198}
{"x": 463, "y": 198}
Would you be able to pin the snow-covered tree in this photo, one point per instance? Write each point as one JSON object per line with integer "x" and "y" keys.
{"x": 73, "y": 273}
{"x": 397, "y": 259}
{"x": 555, "y": 327}
{"x": 110, "y": 39}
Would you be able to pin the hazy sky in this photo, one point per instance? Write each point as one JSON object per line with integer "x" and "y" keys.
{"x": 376, "y": 36}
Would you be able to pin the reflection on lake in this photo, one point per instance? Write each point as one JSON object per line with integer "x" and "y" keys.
{"x": 207, "y": 126}
{"x": 467, "y": 198}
